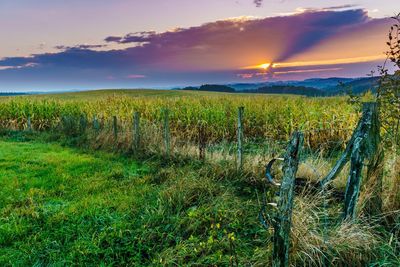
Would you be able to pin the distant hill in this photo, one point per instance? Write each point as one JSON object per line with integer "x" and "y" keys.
{"x": 190, "y": 88}
{"x": 212, "y": 88}
{"x": 356, "y": 86}
{"x": 319, "y": 83}
{"x": 330, "y": 86}
{"x": 309, "y": 87}
{"x": 248, "y": 86}
{"x": 289, "y": 89}
{"x": 322, "y": 83}
{"x": 11, "y": 94}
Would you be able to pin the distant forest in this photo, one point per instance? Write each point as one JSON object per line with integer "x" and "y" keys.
{"x": 311, "y": 87}
{"x": 11, "y": 94}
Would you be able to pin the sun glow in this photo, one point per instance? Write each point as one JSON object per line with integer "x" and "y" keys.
{"x": 265, "y": 66}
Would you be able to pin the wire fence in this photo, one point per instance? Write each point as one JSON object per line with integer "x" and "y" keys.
{"x": 195, "y": 140}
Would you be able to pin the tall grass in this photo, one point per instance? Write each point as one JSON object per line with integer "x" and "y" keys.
{"x": 326, "y": 120}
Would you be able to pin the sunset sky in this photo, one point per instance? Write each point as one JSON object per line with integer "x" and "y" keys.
{"x": 91, "y": 44}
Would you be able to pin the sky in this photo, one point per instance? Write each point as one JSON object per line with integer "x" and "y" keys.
{"x": 92, "y": 44}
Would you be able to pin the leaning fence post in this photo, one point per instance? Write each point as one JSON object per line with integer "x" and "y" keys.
{"x": 343, "y": 159}
{"x": 240, "y": 137}
{"x": 167, "y": 140}
{"x": 283, "y": 221}
{"x": 364, "y": 147}
{"x": 136, "y": 131}
{"x": 354, "y": 180}
{"x": 115, "y": 127}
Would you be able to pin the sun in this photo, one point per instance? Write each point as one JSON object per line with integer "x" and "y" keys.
{"x": 265, "y": 66}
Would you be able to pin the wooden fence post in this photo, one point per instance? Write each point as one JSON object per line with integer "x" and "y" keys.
{"x": 82, "y": 123}
{"x": 115, "y": 127}
{"x": 201, "y": 140}
{"x": 366, "y": 146}
{"x": 343, "y": 159}
{"x": 283, "y": 221}
{"x": 96, "y": 125}
{"x": 136, "y": 131}
{"x": 354, "y": 180}
{"x": 167, "y": 139}
{"x": 240, "y": 137}
{"x": 374, "y": 178}
{"x": 29, "y": 123}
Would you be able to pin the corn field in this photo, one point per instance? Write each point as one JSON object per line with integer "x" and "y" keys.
{"x": 323, "y": 120}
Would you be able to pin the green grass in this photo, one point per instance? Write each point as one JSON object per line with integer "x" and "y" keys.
{"x": 68, "y": 206}
{"x": 63, "y": 206}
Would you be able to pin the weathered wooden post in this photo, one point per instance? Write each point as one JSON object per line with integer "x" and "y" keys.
{"x": 96, "y": 124}
{"x": 240, "y": 137}
{"x": 136, "y": 131}
{"x": 373, "y": 205}
{"x": 115, "y": 127}
{"x": 366, "y": 146}
{"x": 202, "y": 141}
{"x": 354, "y": 180}
{"x": 167, "y": 139}
{"x": 283, "y": 220}
{"x": 343, "y": 159}
{"x": 82, "y": 123}
{"x": 29, "y": 123}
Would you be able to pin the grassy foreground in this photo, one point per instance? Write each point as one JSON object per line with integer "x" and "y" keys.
{"x": 65, "y": 206}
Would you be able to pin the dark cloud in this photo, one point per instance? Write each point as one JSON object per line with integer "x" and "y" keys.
{"x": 339, "y": 7}
{"x": 137, "y": 37}
{"x": 311, "y": 27}
{"x": 82, "y": 46}
{"x": 258, "y": 3}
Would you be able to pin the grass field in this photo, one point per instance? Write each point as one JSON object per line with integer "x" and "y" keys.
{"x": 65, "y": 206}
{"x": 84, "y": 199}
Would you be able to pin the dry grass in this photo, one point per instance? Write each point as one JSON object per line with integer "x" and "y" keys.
{"x": 392, "y": 184}
{"x": 340, "y": 242}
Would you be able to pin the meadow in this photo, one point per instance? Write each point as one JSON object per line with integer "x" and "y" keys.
{"x": 77, "y": 194}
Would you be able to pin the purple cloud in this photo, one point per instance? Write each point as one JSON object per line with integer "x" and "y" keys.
{"x": 82, "y": 46}
{"x": 215, "y": 47}
{"x": 258, "y": 3}
{"x": 137, "y": 37}
{"x": 136, "y": 76}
